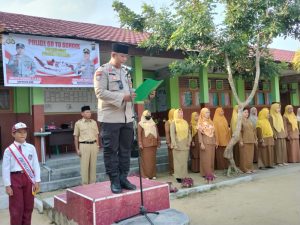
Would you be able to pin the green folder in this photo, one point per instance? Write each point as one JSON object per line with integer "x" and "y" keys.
{"x": 144, "y": 90}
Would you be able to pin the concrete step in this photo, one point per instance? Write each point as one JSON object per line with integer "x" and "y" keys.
{"x": 74, "y": 169}
{"x": 66, "y": 160}
{"x": 76, "y": 180}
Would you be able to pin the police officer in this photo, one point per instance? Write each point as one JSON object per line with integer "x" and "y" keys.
{"x": 87, "y": 145}
{"x": 113, "y": 89}
{"x": 86, "y": 67}
{"x": 21, "y": 64}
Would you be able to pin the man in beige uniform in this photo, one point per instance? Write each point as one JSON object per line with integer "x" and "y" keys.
{"x": 87, "y": 145}
{"x": 113, "y": 89}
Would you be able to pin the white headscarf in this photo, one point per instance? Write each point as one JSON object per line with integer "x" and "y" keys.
{"x": 149, "y": 126}
{"x": 253, "y": 117}
{"x": 298, "y": 114}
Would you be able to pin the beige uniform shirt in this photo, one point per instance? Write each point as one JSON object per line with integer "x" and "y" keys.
{"x": 111, "y": 84}
{"x": 86, "y": 130}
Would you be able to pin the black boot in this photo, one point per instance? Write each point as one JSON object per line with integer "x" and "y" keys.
{"x": 115, "y": 185}
{"x": 125, "y": 183}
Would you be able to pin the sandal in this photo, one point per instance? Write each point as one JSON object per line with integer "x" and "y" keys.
{"x": 171, "y": 188}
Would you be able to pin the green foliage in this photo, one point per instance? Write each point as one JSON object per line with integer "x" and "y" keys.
{"x": 128, "y": 18}
{"x": 189, "y": 26}
{"x": 296, "y": 61}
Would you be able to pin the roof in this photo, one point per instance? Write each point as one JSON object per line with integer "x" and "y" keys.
{"x": 18, "y": 23}
{"x": 282, "y": 55}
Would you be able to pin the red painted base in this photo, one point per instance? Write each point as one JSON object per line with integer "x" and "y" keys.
{"x": 95, "y": 204}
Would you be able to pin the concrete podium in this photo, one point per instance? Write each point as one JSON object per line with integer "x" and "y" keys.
{"x": 95, "y": 204}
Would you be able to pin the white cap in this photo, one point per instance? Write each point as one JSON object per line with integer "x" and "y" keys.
{"x": 18, "y": 126}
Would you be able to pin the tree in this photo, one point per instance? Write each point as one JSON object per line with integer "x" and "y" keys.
{"x": 238, "y": 44}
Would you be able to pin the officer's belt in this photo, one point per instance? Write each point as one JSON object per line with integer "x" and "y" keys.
{"x": 87, "y": 142}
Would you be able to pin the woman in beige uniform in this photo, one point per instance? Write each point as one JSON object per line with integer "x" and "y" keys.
{"x": 168, "y": 140}
{"x": 208, "y": 143}
{"x": 180, "y": 143}
{"x": 247, "y": 141}
{"x": 265, "y": 140}
{"x": 149, "y": 141}
{"x": 233, "y": 123}
{"x": 280, "y": 135}
{"x": 291, "y": 124}
{"x": 195, "y": 148}
{"x": 223, "y": 136}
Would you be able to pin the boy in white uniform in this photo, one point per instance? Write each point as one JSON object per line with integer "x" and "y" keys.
{"x": 21, "y": 176}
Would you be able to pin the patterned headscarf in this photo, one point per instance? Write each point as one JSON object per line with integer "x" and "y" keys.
{"x": 205, "y": 125}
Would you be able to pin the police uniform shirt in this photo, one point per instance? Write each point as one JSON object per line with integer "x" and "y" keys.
{"x": 111, "y": 84}
{"x": 86, "y": 130}
{"x": 22, "y": 66}
{"x": 85, "y": 69}
{"x": 10, "y": 164}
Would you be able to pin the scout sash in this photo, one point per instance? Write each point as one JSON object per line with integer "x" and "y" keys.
{"x": 22, "y": 161}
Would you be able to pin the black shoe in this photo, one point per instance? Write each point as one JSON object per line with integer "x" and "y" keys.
{"x": 126, "y": 184}
{"x": 179, "y": 180}
{"x": 271, "y": 167}
{"x": 115, "y": 185}
{"x": 262, "y": 168}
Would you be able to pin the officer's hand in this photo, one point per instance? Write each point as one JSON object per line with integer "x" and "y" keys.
{"x": 9, "y": 191}
{"x": 78, "y": 153}
{"x": 127, "y": 98}
{"x": 133, "y": 95}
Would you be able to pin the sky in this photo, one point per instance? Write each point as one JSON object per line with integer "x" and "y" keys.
{"x": 98, "y": 12}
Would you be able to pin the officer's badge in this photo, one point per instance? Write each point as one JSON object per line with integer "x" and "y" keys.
{"x": 30, "y": 157}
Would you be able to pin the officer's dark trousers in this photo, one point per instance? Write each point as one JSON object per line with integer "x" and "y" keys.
{"x": 117, "y": 139}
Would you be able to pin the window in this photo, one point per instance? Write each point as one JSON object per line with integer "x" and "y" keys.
{"x": 219, "y": 93}
{"x": 6, "y": 102}
{"x": 187, "y": 99}
{"x": 189, "y": 92}
{"x": 262, "y": 95}
{"x": 219, "y": 99}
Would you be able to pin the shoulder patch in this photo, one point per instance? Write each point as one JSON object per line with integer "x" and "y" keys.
{"x": 99, "y": 71}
